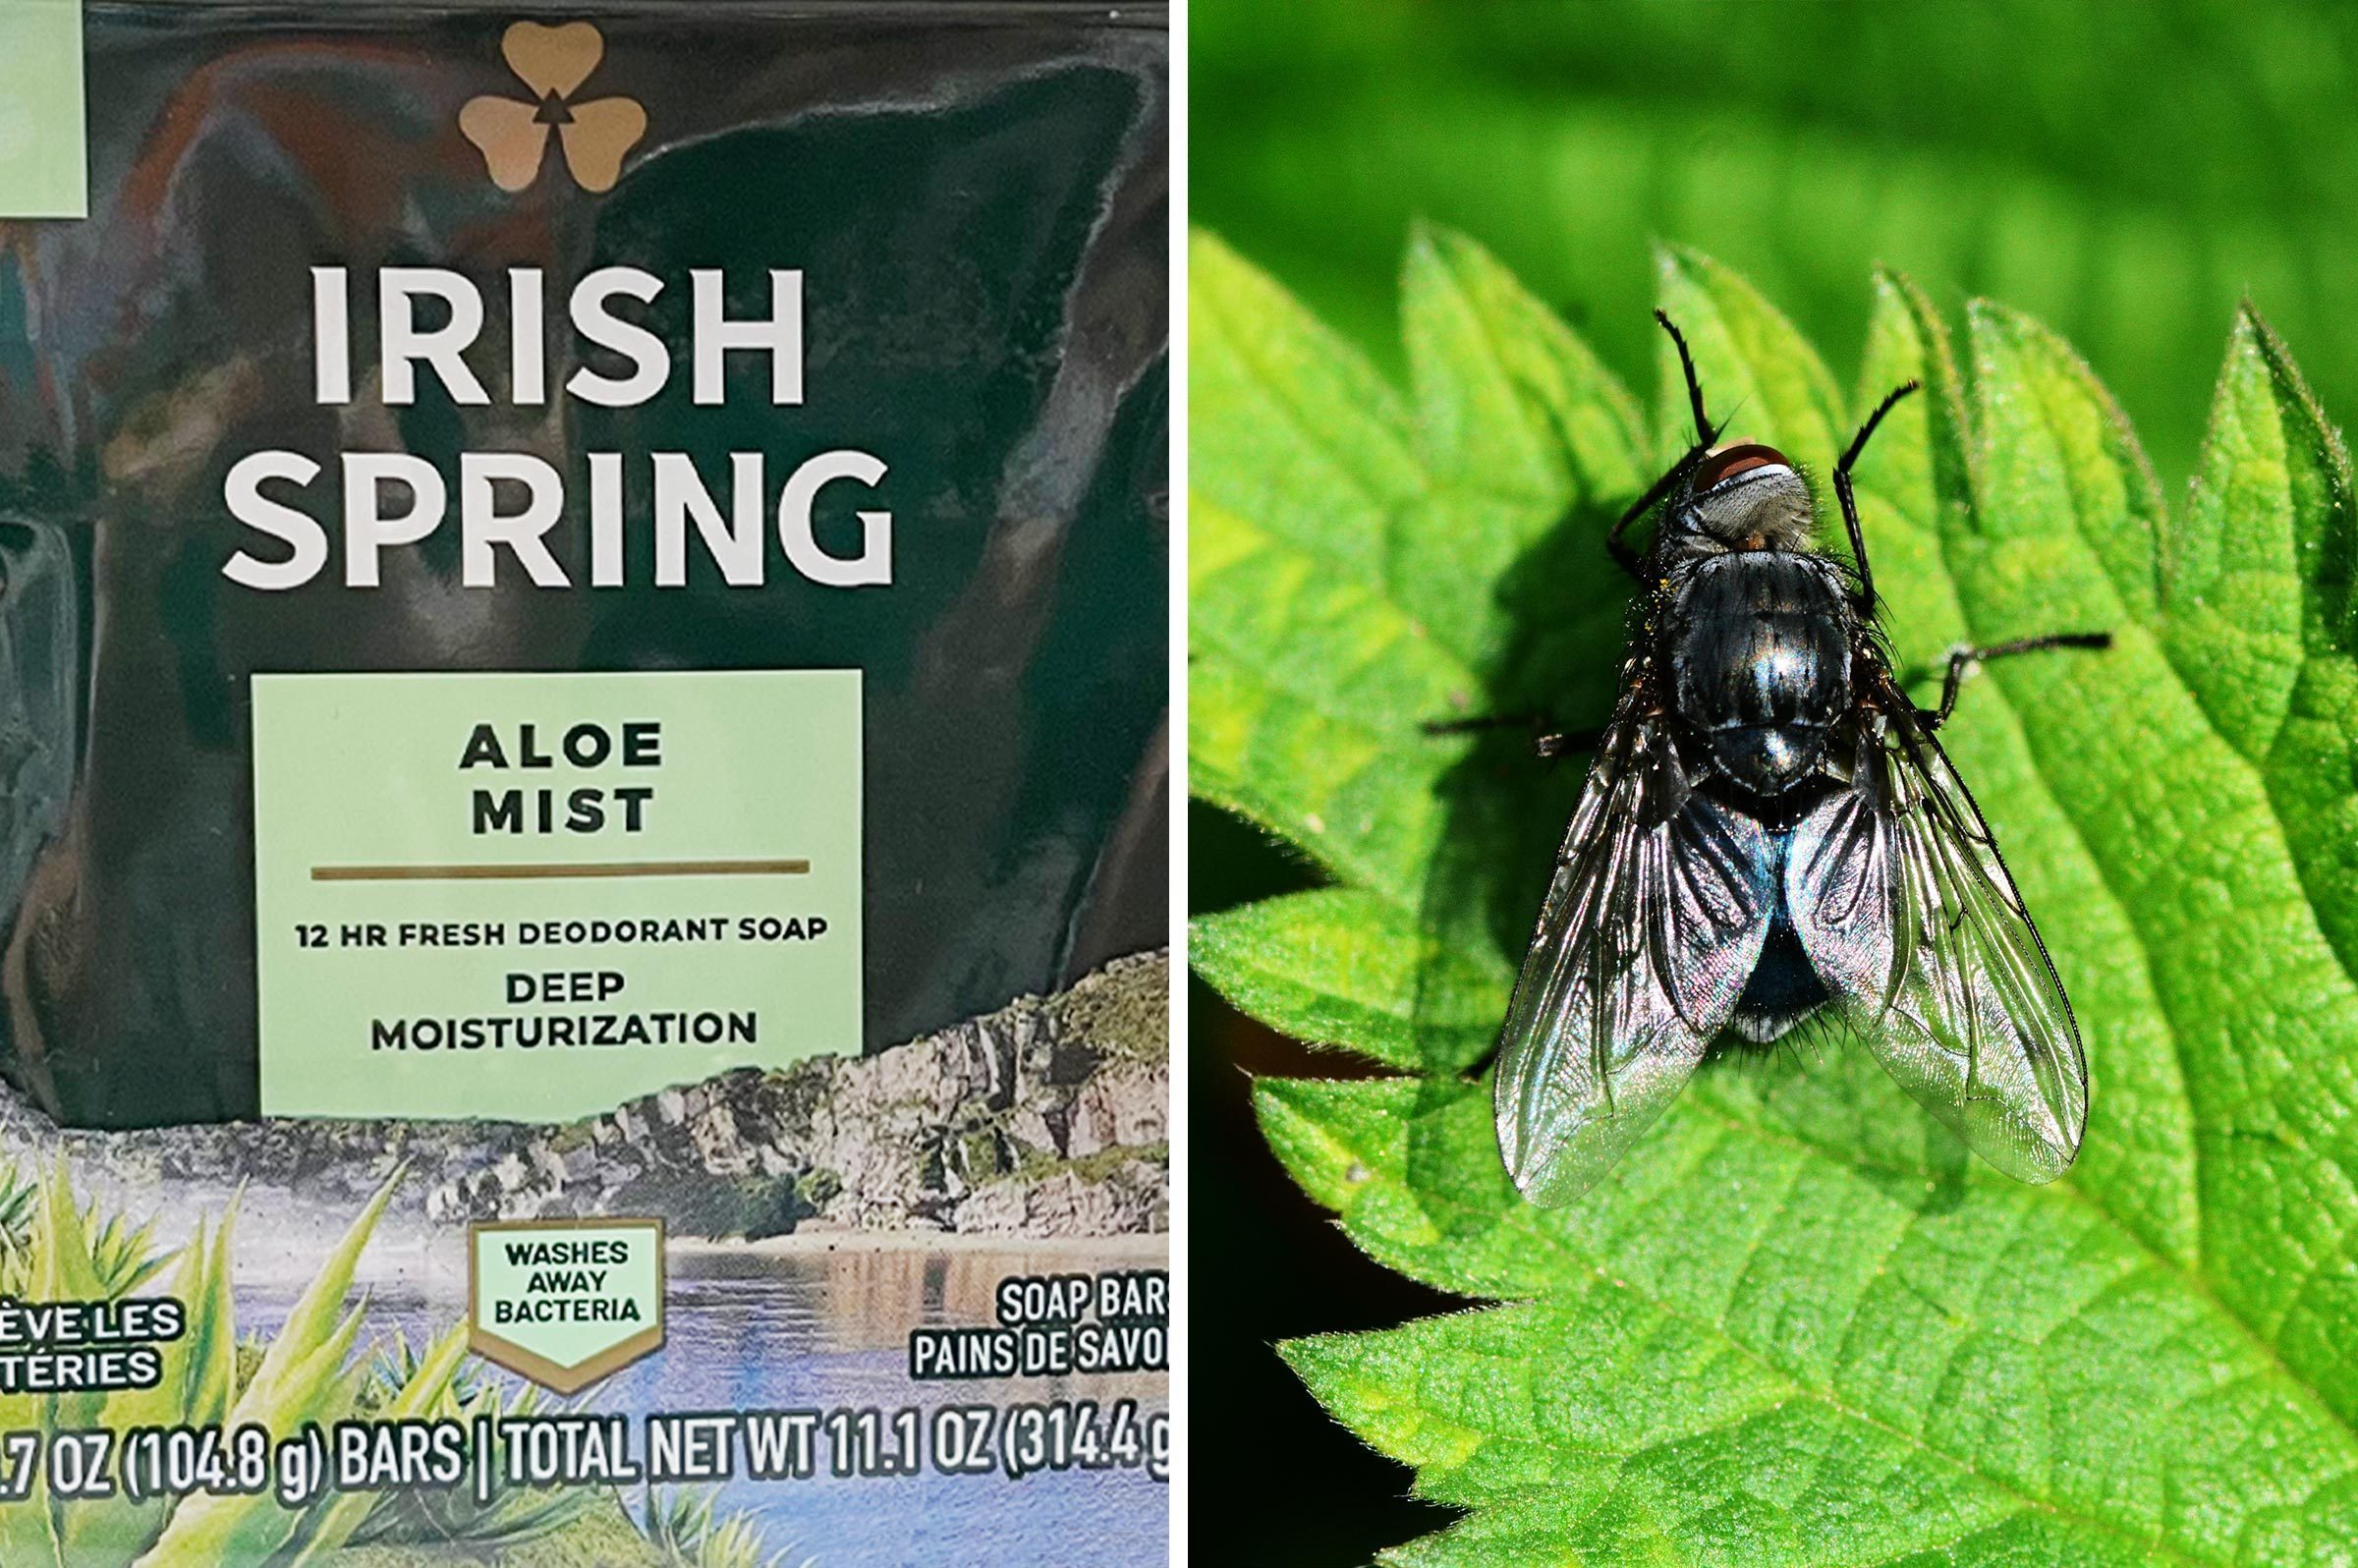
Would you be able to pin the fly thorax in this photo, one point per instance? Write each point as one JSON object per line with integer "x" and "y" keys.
{"x": 1758, "y": 649}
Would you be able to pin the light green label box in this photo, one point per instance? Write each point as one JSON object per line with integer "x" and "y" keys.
{"x": 533, "y": 897}
{"x": 43, "y": 170}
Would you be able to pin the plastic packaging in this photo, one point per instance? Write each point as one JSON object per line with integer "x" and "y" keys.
{"x": 583, "y": 645}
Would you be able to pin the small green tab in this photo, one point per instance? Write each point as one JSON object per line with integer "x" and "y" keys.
{"x": 43, "y": 170}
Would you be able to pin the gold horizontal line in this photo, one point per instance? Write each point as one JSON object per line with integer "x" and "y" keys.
{"x": 510, "y": 874}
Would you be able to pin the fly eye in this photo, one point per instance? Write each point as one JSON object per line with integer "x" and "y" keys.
{"x": 1728, "y": 461}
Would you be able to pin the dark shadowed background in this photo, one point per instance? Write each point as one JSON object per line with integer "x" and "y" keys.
{"x": 2125, "y": 172}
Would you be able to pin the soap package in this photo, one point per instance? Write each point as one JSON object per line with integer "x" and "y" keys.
{"x": 584, "y": 736}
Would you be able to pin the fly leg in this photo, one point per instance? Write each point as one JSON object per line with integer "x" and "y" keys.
{"x": 1962, "y": 660}
{"x": 1544, "y": 743}
{"x": 1567, "y": 743}
{"x": 1626, "y": 557}
{"x": 1850, "y": 505}
{"x": 1705, "y": 434}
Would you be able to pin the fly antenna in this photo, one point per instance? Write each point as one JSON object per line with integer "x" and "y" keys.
{"x": 1703, "y": 433}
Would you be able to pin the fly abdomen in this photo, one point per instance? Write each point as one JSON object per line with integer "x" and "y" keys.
{"x": 1758, "y": 649}
{"x": 1784, "y": 987}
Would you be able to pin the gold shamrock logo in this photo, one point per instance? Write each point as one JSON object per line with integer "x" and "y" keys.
{"x": 554, "y": 62}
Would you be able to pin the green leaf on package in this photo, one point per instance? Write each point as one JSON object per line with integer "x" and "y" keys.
{"x": 1797, "y": 1324}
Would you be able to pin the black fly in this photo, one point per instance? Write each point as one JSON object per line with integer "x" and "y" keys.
{"x": 1769, "y": 834}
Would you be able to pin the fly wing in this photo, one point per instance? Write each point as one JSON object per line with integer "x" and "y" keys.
{"x": 1655, "y": 917}
{"x": 1906, "y": 908}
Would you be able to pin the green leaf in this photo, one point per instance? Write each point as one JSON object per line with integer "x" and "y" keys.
{"x": 304, "y": 1376}
{"x": 199, "y": 1370}
{"x": 332, "y": 1523}
{"x": 1340, "y": 966}
{"x": 1797, "y": 1324}
{"x": 1516, "y": 425}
